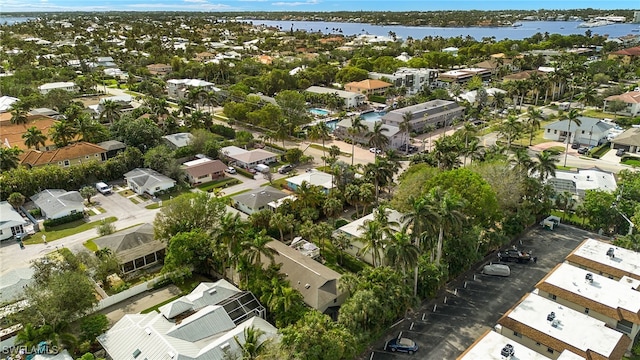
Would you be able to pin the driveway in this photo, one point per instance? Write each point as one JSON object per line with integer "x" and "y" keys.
{"x": 115, "y": 205}
{"x": 444, "y": 327}
{"x": 140, "y": 302}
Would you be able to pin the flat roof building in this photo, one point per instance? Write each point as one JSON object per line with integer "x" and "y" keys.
{"x": 438, "y": 113}
{"x": 594, "y": 255}
{"x": 551, "y": 328}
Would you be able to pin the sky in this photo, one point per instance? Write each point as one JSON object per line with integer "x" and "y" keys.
{"x": 7, "y": 6}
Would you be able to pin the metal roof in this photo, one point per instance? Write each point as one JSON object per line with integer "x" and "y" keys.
{"x": 55, "y": 200}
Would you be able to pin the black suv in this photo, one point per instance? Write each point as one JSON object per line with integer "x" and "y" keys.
{"x": 285, "y": 169}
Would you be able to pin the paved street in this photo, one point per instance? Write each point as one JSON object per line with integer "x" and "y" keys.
{"x": 471, "y": 304}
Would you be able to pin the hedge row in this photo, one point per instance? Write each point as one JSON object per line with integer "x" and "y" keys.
{"x": 244, "y": 173}
{"x": 63, "y": 220}
{"x": 598, "y": 151}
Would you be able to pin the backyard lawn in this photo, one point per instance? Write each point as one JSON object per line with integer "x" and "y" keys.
{"x": 598, "y": 114}
{"x": 64, "y": 230}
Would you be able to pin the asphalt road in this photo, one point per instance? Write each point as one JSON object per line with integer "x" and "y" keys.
{"x": 443, "y": 329}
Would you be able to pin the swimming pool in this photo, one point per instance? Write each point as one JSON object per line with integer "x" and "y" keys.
{"x": 372, "y": 116}
{"x": 331, "y": 124}
{"x": 320, "y": 112}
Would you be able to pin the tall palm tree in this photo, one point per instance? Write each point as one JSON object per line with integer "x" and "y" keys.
{"x": 62, "y": 132}
{"x": 377, "y": 138}
{"x": 231, "y": 233}
{"x": 405, "y": 126}
{"x": 588, "y": 95}
{"x": 400, "y": 251}
{"x": 9, "y": 157}
{"x": 320, "y": 131}
{"x": 308, "y": 195}
{"x": 281, "y": 222}
{"x": 110, "y": 111}
{"x": 88, "y": 129}
{"x": 572, "y": 117}
{"x": 19, "y": 112}
{"x": 251, "y": 347}
{"x": 373, "y": 239}
{"x": 256, "y": 247}
{"x": 448, "y": 211}
{"x": 34, "y": 137}
{"x": 534, "y": 117}
{"x": 511, "y": 129}
{"x": 522, "y": 161}
{"x": 183, "y": 107}
{"x": 545, "y": 165}
{"x": 357, "y": 127}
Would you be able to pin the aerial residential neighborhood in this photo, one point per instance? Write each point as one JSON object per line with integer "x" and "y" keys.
{"x": 239, "y": 185}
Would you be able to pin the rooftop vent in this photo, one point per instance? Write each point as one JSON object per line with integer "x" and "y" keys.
{"x": 555, "y": 323}
{"x": 136, "y": 353}
{"x": 148, "y": 331}
{"x": 507, "y": 350}
{"x": 212, "y": 291}
{"x": 172, "y": 354}
{"x": 610, "y": 253}
{"x": 306, "y": 286}
{"x": 589, "y": 277}
{"x": 551, "y": 316}
{"x": 224, "y": 346}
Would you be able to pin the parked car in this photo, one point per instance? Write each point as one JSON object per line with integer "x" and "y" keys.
{"x": 620, "y": 152}
{"x": 231, "y": 170}
{"x": 103, "y": 188}
{"x": 402, "y": 344}
{"x": 496, "y": 270}
{"x": 408, "y": 148}
{"x": 514, "y": 255}
{"x": 583, "y": 150}
{"x": 375, "y": 151}
{"x": 575, "y": 146}
{"x": 285, "y": 169}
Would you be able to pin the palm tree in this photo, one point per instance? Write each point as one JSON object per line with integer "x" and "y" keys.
{"x": 511, "y": 128}
{"x": 34, "y": 137}
{"x": 283, "y": 128}
{"x": 588, "y": 95}
{"x": 308, "y": 196}
{"x": 377, "y": 138}
{"x": 62, "y": 132}
{"x": 572, "y": 117}
{"x": 9, "y": 157}
{"x": 545, "y": 165}
{"x": 256, "y": 247}
{"x": 522, "y": 161}
{"x": 183, "y": 107}
{"x": 373, "y": 239}
{"x": 533, "y": 121}
{"x": 231, "y": 232}
{"x": 322, "y": 132}
{"x": 405, "y": 126}
{"x": 110, "y": 111}
{"x": 281, "y": 222}
{"x": 357, "y": 127}
{"x": 88, "y": 129}
{"x": 447, "y": 210}
{"x": 19, "y": 112}
{"x": 400, "y": 252}
{"x": 251, "y": 347}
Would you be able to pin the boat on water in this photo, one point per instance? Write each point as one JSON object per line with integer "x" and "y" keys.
{"x": 598, "y": 23}
{"x": 635, "y": 30}
{"x": 517, "y": 25}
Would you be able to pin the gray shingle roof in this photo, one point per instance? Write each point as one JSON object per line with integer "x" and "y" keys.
{"x": 52, "y": 201}
{"x": 585, "y": 124}
{"x": 132, "y": 243}
{"x": 421, "y": 110}
{"x": 179, "y": 139}
{"x": 630, "y": 137}
{"x": 259, "y": 197}
{"x": 146, "y": 178}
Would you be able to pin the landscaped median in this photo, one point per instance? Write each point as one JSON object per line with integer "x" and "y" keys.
{"x": 225, "y": 182}
{"x": 64, "y": 230}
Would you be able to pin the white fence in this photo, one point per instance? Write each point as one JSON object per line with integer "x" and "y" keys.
{"x": 129, "y": 293}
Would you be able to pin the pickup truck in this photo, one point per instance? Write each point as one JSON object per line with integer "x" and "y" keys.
{"x": 514, "y": 255}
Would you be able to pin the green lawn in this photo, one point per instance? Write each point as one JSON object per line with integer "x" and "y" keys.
{"x": 89, "y": 244}
{"x": 326, "y": 149}
{"x": 573, "y": 217}
{"x": 64, "y": 230}
{"x": 278, "y": 184}
{"x": 156, "y": 307}
{"x": 134, "y": 200}
{"x": 237, "y": 193}
{"x": 598, "y": 114}
{"x": 633, "y": 161}
{"x": 224, "y": 182}
{"x": 126, "y": 193}
{"x": 560, "y": 167}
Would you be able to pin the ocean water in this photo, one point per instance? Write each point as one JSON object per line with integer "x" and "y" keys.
{"x": 7, "y": 20}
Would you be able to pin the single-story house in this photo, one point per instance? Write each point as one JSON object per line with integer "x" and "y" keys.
{"x": 206, "y": 324}
{"x": 6, "y": 102}
{"x": 317, "y": 283}
{"x": 147, "y": 181}
{"x": 396, "y": 138}
{"x": 11, "y": 223}
{"x": 437, "y": 113}
{"x": 113, "y": 147}
{"x": 73, "y": 154}
{"x": 630, "y": 98}
{"x": 578, "y": 182}
{"x": 12, "y": 284}
{"x": 351, "y": 99}
{"x": 368, "y": 87}
{"x": 314, "y": 178}
{"x": 159, "y": 69}
{"x": 203, "y": 170}
{"x": 66, "y": 86}
{"x": 136, "y": 248}
{"x": 629, "y": 140}
{"x": 178, "y": 140}
{"x": 56, "y": 203}
{"x": 248, "y": 159}
{"x": 591, "y": 131}
{"x": 256, "y": 200}
{"x": 354, "y": 230}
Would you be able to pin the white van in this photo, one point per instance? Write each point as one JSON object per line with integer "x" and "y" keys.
{"x": 263, "y": 168}
{"x": 496, "y": 270}
{"x": 103, "y": 188}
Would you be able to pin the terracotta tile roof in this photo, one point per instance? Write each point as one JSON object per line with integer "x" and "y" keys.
{"x": 631, "y": 97}
{"x": 370, "y": 84}
{"x": 634, "y": 51}
{"x": 12, "y": 133}
{"x": 522, "y": 75}
{"x": 70, "y": 152}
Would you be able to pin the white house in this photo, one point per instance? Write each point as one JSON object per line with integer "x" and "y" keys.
{"x": 436, "y": 113}
{"x": 147, "y": 181}
{"x": 178, "y": 88}
{"x": 257, "y": 200}
{"x": 631, "y": 99}
{"x": 248, "y": 159}
{"x": 315, "y": 178}
{"x": 451, "y": 50}
{"x": 56, "y": 203}
{"x": 351, "y": 100}
{"x": 396, "y": 138}
{"x": 414, "y": 80}
{"x": 578, "y": 182}
{"x": 203, "y": 170}
{"x": 591, "y": 131}
{"x": 11, "y": 222}
{"x": 489, "y": 347}
{"x": 66, "y": 86}
{"x": 354, "y": 230}
{"x": 206, "y": 324}
{"x": 6, "y": 102}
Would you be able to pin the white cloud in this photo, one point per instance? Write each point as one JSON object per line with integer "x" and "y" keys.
{"x": 196, "y": 5}
{"x": 296, "y": 3}
{"x": 253, "y": 0}
{"x": 196, "y": 1}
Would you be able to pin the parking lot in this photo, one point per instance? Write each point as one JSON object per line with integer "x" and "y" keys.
{"x": 444, "y": 327}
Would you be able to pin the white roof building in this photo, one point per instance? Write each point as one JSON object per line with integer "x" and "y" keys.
{"x": 315, "y": 178}
{"x": 489, "y": 347}
{"x": 594, "y": 255}
{"x": 350, "y": 99}
{"x": 6, "y": 102}
{"x": 537, "y": 320}
{"x": 11, "y": 222}
{"x": 67, "y": 86}
{"x": 578, "y": 182}
{"x": 201, "y": 325}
